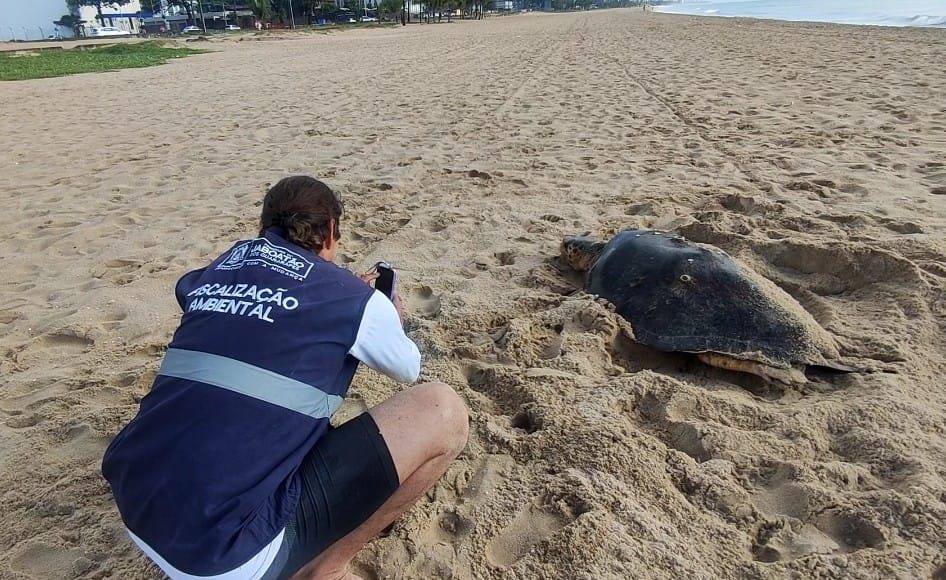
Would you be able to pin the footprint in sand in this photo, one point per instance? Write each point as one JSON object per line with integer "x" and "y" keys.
{"x": 795, "y": 528}
{"x": 80, "y": 444}
{"x": 904, "y": 227}
{"x": 138, "y": 379}
{"x": 447, "y": 528}
{"x": 426, "y": 303}
{"x": 837, "y": 531}
{"x": 505, "y": 389}
{"x": 439, "y": 555}
{"x": 40, "y": 560}
{"x": 65, "y": 341}
{"x": 531, "y": 526}
{"x": 933, "y": 174}
{"x": 670, "y": 421}
{"x": 20, "y": 420}
{"x": 838, "y": 269}
{"x": 114, "y": 319}
{"x": 850, "y": 530}
{"x": 120, "y": 271}
{"x": 781, "y": 541}
{"x": 438, "y": 225}
{"x": 8, "y": 315}
{"x": 490, "y": 473}
{"x": 506, "y": 258}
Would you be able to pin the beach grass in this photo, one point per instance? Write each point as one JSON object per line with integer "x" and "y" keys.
{"x": 45, "y": 63}
{"x": 327, "y": 28}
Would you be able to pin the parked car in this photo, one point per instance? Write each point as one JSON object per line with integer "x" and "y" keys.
{"x": 231, "y": 27}
{"x": 107, "y": 31}
{"x": 191, "y": 29}
{"x": 368, "y": 19}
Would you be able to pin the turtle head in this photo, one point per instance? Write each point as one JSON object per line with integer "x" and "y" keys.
{"x": 581, "y": 252}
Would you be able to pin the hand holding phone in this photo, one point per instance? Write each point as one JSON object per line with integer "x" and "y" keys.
{"x": 386, "y": 282}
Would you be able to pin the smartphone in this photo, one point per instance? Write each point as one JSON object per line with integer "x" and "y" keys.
{"x": 387, "y": 279}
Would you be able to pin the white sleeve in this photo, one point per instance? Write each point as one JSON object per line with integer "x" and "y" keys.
{"x": 381, "y": 343}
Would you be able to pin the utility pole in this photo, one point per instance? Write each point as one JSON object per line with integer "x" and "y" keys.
{"x": 164, "y": 17}
{"x": 203, "y": 23}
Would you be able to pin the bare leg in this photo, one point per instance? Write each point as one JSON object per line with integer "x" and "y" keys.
{"x": 425, "y": 428}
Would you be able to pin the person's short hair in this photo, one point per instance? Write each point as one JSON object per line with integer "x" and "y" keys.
{"x": 304, "y": 207}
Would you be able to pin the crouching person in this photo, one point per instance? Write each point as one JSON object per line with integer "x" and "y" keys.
{"x": 230, "y": 470}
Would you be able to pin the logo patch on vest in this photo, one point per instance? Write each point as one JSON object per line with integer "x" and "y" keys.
{"x": 261, "y": 252}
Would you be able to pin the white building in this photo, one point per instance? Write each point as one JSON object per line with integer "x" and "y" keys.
{"x": 127, "y": 16}
{"x": 32, "y": 20}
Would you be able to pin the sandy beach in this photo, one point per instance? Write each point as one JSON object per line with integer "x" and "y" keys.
{"x": 813, "y": 153}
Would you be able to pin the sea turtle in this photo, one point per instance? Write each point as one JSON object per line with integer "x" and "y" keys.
{"x": 683, "y": 296}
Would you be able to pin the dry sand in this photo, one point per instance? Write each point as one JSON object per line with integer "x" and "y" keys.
{"x": 815, "y": 153}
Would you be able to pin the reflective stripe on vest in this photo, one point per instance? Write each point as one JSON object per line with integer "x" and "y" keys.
{"x": 249, "y": 380}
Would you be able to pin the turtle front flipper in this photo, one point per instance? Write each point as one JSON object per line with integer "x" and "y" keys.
{"x": 789, "y": 376}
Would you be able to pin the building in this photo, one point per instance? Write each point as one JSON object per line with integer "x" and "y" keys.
{"x": 127, "y": 16}
{"x": 215, "y": 14}
{"x": 32, "y": 20}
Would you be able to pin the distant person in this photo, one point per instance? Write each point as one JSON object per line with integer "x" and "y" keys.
{"x": 230, "y": 470}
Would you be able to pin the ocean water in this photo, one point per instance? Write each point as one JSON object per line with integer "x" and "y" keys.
{"x": 927, "y": 13}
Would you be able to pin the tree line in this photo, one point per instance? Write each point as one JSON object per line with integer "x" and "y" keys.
{"x": 283, "y": 11}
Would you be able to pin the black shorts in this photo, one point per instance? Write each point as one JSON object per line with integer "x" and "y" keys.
{"x": 345, "y": 478}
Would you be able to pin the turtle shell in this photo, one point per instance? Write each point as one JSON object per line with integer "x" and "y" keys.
{"x": 683, "y": 296}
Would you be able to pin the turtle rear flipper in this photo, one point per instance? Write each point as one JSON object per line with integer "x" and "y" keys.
{"x": 789, "y": 376}
{"x": 835, "y": 367}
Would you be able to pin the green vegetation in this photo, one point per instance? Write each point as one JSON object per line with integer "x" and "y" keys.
{"x": 44, "y": 63}
{"x": 390, "y": 9}
{"x": 261, "y": 9}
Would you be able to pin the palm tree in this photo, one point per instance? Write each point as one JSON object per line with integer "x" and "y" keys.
{"x": 261, "y": 9}
{"x": 186, "y": 5}
{"x": 389, "y": 9}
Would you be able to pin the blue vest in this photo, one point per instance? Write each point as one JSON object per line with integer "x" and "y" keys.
{"x": 205, "y": 474}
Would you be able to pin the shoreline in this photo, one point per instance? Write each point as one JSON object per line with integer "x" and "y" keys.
{"x": 659, "y": 10}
